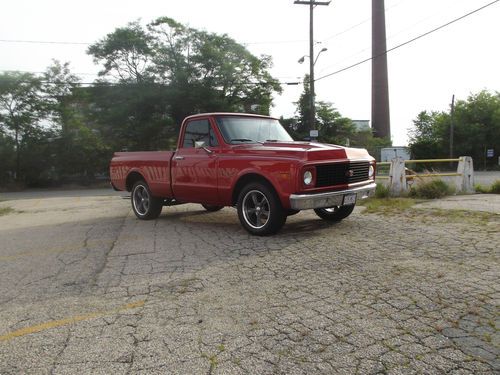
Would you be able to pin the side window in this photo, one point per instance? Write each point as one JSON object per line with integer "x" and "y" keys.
{"x": 196, "y": 131}
{"x": 199, "y": 130}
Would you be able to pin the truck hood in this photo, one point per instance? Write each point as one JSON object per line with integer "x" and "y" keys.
{"x": 304, "y": 151}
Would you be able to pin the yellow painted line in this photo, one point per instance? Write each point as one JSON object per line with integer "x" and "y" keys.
{"x": 431, "y": 161}
{"x": 63, "y": 322}
{"x": 433, "y": 175}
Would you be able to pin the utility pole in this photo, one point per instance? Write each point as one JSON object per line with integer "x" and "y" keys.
{"x": 381, "y": 122}
{"x": 452, "y": 124}
{"x": 312, "y": 4}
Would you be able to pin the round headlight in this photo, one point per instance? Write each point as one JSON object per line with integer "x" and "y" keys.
{"x": 308, "y": 177}
{"x": 371, "y": 171}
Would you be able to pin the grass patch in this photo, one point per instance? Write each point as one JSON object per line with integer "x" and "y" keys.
{"x": 481, "y": 189}
{"x": 5, "y": 211}
{"x": 388, "y": 205}
{"x": 431, "y": 190}
{"x": 473, "y": 217}
{"x": 493, "y": 189}
{"x": 382, "y": 191}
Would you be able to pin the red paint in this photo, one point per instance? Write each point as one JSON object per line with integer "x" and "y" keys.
{"x": 210, "y": 178}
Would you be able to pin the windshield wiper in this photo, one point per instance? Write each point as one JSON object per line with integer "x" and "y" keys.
{"x": 244, "y": 140}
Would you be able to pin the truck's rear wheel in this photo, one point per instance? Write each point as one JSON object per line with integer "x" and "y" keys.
{"x": 211, "y": 208}
{"x": 335, "y": 213}
{"x": 145, "y": 206}
{"x": 259, "y": 209}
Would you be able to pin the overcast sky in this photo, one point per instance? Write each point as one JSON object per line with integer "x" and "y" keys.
{"x": 461, "y": 59}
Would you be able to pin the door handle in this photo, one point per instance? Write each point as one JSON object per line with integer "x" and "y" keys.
{"x": 179, "y": 158}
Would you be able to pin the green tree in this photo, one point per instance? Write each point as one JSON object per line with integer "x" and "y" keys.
{"x": 21, "y": 110}
{"x": 125, "y": 53}
{"x": 332, "y": 126}
{"x": 79, "y": 147}
{"x": 196, "y": 71}
{"x": 427, "y": 138}
{"x": 476, "y": 129}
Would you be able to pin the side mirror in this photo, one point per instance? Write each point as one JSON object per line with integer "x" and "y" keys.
{"x": 201, "y": 144}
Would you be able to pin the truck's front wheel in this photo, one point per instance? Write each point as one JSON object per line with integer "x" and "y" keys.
{"x": 145, "y": 206}
{"x": 336, "y": 213}
{"x": 259, "y": 209}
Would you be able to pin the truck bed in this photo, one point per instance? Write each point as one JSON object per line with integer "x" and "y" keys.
{"x": 153, "y": 165}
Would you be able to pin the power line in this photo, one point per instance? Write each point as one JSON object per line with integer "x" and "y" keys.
{"x": 392, "y": 36}
{"x": 359, "y": 24}
{"x": 408, "y": 41}
{"x": 244, "y": 43}
{"x": 41, "y": 42}
{"x": 99, "y": 84}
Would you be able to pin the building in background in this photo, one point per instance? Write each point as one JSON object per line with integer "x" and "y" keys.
{"x": 389, "y": 153}
{"x": 361, "y": 125}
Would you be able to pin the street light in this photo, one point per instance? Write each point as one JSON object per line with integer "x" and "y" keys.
{"x": 311, "y": 86}
{"x": 312, "y": 4}
{"x": 301, "y": 60}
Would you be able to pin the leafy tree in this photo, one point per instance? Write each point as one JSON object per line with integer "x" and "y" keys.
{"x": 332, "y": 126}
{"x": 197, "y": 71}
{"x": 79, "y": 147}
{"x": 427, "y": 136}
{"x": 476, "y": 129}
{"x": 21, "y": 110}
{"x": 7, "y": 156}
{"x": 125, "y": 53}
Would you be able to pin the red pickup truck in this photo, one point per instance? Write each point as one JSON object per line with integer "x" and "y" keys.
{"x": 247, "y": 161}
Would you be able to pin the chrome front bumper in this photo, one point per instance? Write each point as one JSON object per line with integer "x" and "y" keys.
{"x": 329, "y": 199}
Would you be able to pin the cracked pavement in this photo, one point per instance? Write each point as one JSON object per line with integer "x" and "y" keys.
{"x": 85, "y": 287}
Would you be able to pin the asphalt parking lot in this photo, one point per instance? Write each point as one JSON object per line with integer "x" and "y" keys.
{"x": 87, "y": 288}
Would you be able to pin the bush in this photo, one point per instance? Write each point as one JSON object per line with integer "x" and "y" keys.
{"x": 382, "y": 191}
{"x": 495, "y": 187}
{"x": 481, "y": 189}
{"x": 432, "y": 190}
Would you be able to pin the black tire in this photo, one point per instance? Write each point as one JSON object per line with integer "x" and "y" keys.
{"x": 259, "y": 209}
{"x": 144, "y": 205}
{"x": 336, "y": 213}
{"x": 211, "y": 208}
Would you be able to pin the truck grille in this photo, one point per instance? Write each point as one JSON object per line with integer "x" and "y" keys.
{"x": 338, "y": 173}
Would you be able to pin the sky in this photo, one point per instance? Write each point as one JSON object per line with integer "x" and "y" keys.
{"x": 459, "y": 60}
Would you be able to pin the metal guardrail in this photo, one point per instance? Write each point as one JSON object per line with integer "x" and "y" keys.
{"x": 399, "y": 176}
{"x": 423, "y": 175}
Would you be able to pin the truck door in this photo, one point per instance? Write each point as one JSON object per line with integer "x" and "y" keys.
{"x": 194, "y": 170}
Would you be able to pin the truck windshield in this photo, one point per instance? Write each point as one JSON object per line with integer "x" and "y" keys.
{"x": 251, "y": 130}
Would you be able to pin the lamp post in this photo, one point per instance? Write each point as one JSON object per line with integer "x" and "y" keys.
{"x": 312, "y": 4}
{"x": 312, "y": 63}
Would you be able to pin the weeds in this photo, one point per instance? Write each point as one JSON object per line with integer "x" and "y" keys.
{"x": 431, "y": 190}
{"x": 493, "y": 189}
{"x": 388, "y": 205}
{"x": 382, "y": 191}
{"x": 5, "y": 211}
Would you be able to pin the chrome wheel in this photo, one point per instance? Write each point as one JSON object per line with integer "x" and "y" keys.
{"x": 256, "y": 209}
{"x": 141, "y": 199}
